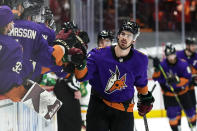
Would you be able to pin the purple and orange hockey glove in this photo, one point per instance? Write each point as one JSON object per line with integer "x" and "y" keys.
{"x": 145, "y": 103}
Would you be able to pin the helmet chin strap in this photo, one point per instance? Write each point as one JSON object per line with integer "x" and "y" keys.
{"x": 188, "y": 49}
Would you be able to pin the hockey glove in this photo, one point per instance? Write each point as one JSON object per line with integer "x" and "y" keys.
{"x": 156, "y": 63}
{"x": 82, "y": 41}
{"x": 174, "y": 79}
{"x": 75, "y": 56}
{"x": 67, "y": 40}
{"x": 145, "y": 103}
{"x": 69, "y": 68}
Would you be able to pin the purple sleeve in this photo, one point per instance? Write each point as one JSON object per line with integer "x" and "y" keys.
{"x": 44, "y": 53}
{"x": 10, "y": 68}
{"x": 59, "y": 71}
{"x": 160, "y": 79}
{"x": 51, "y": 38}
{"x": 141, "y": 78}
{"x": 91, "y": 65}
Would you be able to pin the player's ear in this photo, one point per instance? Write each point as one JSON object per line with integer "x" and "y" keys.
{"x": 118, "y": 36}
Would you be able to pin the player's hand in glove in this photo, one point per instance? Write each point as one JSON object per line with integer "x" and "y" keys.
{"x": 69, "y": 68}
{"x": 75, "y": 56}
{"x": 156, "y": 63}
{"x": 145, "y": 103}
{"x": 173, "y": 79}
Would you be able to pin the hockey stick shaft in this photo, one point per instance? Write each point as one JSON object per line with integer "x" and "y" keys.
{"x": 145, "y": 123}
{"x": 144, "y": 117}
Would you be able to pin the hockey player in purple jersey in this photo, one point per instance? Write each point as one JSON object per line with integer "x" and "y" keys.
{"x": 113, "y": 72}
{"x": 10, "y": 58}
{"x": 189, "y": 54}
{"x": 178, "y": 77}
{"x": 47, "y": 28}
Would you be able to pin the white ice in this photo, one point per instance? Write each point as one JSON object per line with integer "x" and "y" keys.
{"x": 159, "y": 124}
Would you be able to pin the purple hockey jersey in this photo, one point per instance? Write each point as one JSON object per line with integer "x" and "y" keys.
{"x": 114, "y": 78}
{"x": 35, "y": 47}
{"x": 181, "y": 69}
{"x": 11, "y": 63}
{"x": 48, "y": 34}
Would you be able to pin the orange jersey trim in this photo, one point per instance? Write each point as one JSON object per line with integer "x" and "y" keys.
{"x": 80, "y": 74}
{"x": 45, "y": 70}
{"x": 194, "y": 71}
{"x": 68, "y": 75}
{"x": 156, "y": 74}
{"x": 142, "y": 90}
{"x": 119, "y": 106}
{"x": 58, "y": 54}
{"x": 175, "y": 121}
{"x": 182, "y": 82}
{"x": 179, "y": 93}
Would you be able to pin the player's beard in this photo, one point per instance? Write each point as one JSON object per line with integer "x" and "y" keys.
{"x": 124, "y": 47}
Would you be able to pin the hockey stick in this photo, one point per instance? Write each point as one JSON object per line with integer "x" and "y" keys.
{"x": 144, "y": 117}
{"x": 175, "y": 95}
{"x": 145, "y": 123}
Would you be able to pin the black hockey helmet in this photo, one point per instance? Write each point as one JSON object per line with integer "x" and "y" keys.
{"x": 191, "y": 41}
{"x": 169, "y": 49}
{"x": 130, "y": 26}
{"x": 70, "y": 25}
{"x": 104, "y": 34}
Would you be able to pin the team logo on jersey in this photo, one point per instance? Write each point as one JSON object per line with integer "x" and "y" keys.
{"x": 17, "y": 68}
{"x": 115, "y": 83}
{"x": 45, "y": 36}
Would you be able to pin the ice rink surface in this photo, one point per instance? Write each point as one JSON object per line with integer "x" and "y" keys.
{"x": 159, "y": 124}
